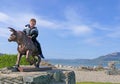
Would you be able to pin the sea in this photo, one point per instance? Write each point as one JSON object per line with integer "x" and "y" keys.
{"x": 80, "y": 62}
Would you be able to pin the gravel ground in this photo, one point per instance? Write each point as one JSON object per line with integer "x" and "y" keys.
{"x": 96, "y": 76}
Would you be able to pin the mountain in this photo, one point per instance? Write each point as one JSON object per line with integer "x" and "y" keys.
{"x": 1, "y": 54}
{"x": 109, "y": 57}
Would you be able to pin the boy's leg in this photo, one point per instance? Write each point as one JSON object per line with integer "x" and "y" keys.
{"x": 39, "y": 49}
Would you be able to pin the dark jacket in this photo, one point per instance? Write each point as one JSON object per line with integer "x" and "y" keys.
{"x": 31, "y": 32}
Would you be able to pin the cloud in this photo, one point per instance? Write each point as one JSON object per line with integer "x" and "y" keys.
{"x": 4, "y": 32}
{"x": 47, "y": 24}
{"x": 93, "y": 41}
{"x": 111, "y": 31}
{"x": 3, "y": 17}
{"x": 114, "y": 34}
{"x": 19, "y": 20}
{"x": 71, "y": 15}
{"x": 74, "y": 23}
{"x": 81, "y": 25}
{"x": 100, "y": 27}
{"x": 81, "y": 30}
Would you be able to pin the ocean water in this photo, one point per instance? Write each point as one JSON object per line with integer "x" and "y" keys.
{"x": 79, "y": 62}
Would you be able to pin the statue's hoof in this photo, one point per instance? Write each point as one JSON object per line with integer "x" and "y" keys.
{"x": 31, "y": 63}
{"x": 16, "y": 67}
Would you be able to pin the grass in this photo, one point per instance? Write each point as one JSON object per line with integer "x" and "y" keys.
{"x": 94, "y": 83}
{"x": 10, "y": 60}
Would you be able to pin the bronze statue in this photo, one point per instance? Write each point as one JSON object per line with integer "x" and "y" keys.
{"x": 25, "y": 47}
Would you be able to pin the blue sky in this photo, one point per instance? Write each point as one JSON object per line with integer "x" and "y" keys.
{"x": 68, "y": 29}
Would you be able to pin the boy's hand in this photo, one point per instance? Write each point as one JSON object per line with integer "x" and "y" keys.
{"x": 29, "y": 37}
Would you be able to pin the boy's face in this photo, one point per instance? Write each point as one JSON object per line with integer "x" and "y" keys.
{"x": 32, "y": 24}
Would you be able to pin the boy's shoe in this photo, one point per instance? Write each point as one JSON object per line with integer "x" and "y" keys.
{"x": 41, "y": 55}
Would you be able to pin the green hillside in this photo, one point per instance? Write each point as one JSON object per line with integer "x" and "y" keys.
{"x": 10, "y": 60}
{"x": 109, "y": 57}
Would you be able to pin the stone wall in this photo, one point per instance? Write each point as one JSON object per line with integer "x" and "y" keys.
{"x": 55, "y": 76}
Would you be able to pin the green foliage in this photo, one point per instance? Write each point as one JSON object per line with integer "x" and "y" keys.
{"x": 10, "y": 60}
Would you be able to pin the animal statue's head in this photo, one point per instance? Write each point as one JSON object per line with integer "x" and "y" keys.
{"x": 13, "y": 36}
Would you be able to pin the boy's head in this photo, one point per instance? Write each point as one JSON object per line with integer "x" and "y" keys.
{"x": 32, "y": 22}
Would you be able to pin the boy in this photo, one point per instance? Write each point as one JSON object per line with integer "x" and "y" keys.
{"x": 32, "y": 32}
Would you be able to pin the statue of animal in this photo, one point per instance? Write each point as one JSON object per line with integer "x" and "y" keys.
{"x": 25, "y": 47}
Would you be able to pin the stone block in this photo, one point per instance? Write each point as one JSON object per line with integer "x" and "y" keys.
{"x": 54, "y": 76}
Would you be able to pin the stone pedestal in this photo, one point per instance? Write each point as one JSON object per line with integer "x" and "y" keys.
{"x": 54, "y": 76}
{"x": 32, "y": 69}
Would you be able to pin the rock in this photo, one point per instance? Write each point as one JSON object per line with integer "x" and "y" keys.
{"x": 112, "y": 72}
{"x": 45, "y": 63}
{"x": 69, "y": 67}
{"x": 70, "y": 77}
{"x": 55, "y": 76}
{"x": 59, "y": 66}
{"x": 8, "y": 70}
{"x": 39, "y": 79}
{"x": 111, "y": 65}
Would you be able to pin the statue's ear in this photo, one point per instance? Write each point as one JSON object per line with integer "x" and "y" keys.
{"x": 12, "y": 29}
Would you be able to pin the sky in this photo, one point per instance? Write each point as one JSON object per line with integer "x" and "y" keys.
{"x": 68, "y": 29}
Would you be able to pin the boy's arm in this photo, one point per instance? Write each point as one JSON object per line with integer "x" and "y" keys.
{"x": 34, "y": 34}
{"x": 26, "y": 26}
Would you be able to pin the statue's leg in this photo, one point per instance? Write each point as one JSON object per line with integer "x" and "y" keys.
{"x": 28, "y": 54}
{"x": 34, "y": 60}
{"x": 18, "y": 60}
